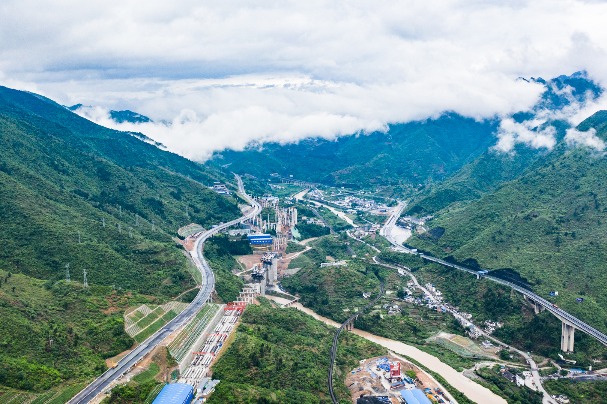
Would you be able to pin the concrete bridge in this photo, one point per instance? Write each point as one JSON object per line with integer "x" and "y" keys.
{"x": 349, "y": 324}
{"x": 567, "y": 328}
{"x": 569, "y": 322}
{"x": 292, "y": 302}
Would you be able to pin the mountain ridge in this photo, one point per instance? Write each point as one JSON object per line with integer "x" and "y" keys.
{"x": 75, "y": 193}
{"x": 546, "y": 225}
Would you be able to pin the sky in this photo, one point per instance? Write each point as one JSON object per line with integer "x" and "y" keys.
{"x": 225, "y": 74}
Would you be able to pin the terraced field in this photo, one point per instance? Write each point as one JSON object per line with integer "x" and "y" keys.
{"x": 145, "y": 320}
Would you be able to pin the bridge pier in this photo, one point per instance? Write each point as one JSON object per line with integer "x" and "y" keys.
{"x": 567, "y": 337}
{"x": 537, "y": 308}
{"x": 349, "y": 325}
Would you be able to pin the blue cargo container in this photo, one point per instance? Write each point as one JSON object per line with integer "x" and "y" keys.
{"x": 176, "y": 393}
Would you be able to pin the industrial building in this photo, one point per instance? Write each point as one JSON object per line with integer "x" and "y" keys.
{"x": 176, "y": 393}
{"x": 260, "y": 239}
{"x": 415, "y": 396}
{"x": 220, "y": 188}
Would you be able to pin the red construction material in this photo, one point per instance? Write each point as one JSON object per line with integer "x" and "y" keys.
{"x": 395, "y": 370}
{"x": 237, "y": 306}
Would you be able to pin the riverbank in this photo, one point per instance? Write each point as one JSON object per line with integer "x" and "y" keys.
{"x": 470, "y": 389}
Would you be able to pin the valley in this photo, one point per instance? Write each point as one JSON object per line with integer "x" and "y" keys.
{"x": 468, "y": 266}
{"x": 292, "y": 202}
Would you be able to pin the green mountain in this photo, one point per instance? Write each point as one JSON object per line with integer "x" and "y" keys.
{"x": 482, "y": 175}
{"x": 118, "y": 116}
{"x": 128, "y": 116}
{"x": 493, "y": 168}
{"x": 448, "y": 158}
{"x": 548, "y": 225}
{"x": 405, "y": 156}
{"x": 73, "y": 192}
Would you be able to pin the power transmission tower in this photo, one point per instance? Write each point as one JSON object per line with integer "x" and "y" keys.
{"x": 103, "y": 221}
{"x": 67, "y": 273}
{"x": 78, "y": 237}
{"x": 85, "y": 281}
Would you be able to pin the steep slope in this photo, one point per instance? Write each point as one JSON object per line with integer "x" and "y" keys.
{"x": 73, "y": 192}
{"x": 406, "y": 155}
{"x": 419, "y": 155}
{"x": 493, "y": 168}
{"x": 482, "y": 175}
{"x": 549, "y": 225}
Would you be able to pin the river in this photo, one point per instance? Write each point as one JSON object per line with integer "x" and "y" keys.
{"x": 472, "y": 390}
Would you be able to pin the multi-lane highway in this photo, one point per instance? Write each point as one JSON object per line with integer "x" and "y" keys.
{"x": 208, "y": 284}
{"x": 386, "y": 230}
{"x": 558, "y": 312}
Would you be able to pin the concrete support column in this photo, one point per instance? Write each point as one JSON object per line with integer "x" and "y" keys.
{"x": 567, "y": 337}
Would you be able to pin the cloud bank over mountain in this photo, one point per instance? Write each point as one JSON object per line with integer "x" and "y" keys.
{"x": 222, "y": 74}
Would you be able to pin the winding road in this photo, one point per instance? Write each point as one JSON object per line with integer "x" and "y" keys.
{"x": 204, "y": 294}
{"x": 558, "y": 312}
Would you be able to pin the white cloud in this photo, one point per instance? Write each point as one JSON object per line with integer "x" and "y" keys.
{"x": 286, "y": 70}
{"x": 528, "y": 132}
{"x": 574, "y": 137}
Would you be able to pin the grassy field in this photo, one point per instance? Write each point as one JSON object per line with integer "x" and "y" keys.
{"x": 139, "y": 320}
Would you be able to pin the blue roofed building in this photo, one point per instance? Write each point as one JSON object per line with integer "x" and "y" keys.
{"x": 408, "y": 397}
{"x": 414, "y": 396}
{"x": 176, "y": 393}
{"x": 421, "y": 397}
{"x": 260, "y": 239}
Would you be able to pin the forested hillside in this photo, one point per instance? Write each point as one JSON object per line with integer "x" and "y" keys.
{"x": 548, "y": 225}
{"x": 283, "y": 356}
{"x": 73, "y": 192}
{"x": 494, "y": 167}
{"x": 403, "y": 157}
{"x": 420, "y": 155}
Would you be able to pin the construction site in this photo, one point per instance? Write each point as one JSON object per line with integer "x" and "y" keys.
{"x": 282, "y": 221}
{"x": 203, "y": 340}
{"x": 392, "y": 380}
{"x": 197, "y": 346}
